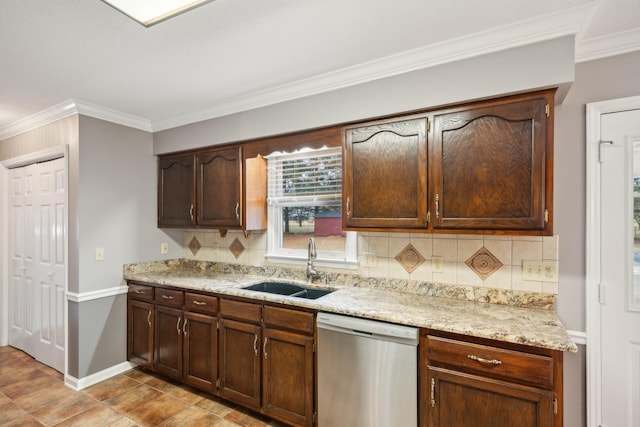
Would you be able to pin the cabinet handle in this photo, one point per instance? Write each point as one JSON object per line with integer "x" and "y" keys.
{"x": 149, "y": 318}
{"x": 348, "y": 207}
{"x": 433, "y": 392}
{"x": 485, "y": 361}
{"x": 184, "y": 327}
{"x": 178, "y": 325}
{"x": 237, "y": 210}
{"x": 264, "y": 347}
{"x": 191, "y": 211}
{"x": 437, "y": 206}
{"x": 255, "y": 344}
{"x": 167, "y": 297}
{"x": 139, "y": 291}
{"x": 199, "y": 302}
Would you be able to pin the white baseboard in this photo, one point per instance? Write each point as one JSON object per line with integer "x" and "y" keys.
{"x": 82, "y": 383}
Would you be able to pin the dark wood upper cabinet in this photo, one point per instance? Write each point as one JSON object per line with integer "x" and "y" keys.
{"x": 219, "y": 183}
{"x": 385, "y": 174}
{"x": 492, "y": 165}
{"x": 176, "y": 191}
{"x": 212, "y": 188}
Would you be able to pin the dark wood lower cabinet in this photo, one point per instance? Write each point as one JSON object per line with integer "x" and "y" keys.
{"x": 462, "y": 400}
{"x": 240, "y": 352}
{"x": 200, "y": 367}
{"x": 287, "y": 376}
{"x": 474, "y": 382}
{"x": 140, "y": 333}
{"x": 168, "y": 342}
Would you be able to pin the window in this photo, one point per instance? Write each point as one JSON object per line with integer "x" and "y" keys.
{"x": 305, "y": 200}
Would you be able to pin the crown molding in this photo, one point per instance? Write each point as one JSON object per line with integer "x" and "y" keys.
{"x": 69, "y": 108}
{"x": 530, "y": 31}
{"x": 602, "y": 47}
{"x": 113, "y": 116}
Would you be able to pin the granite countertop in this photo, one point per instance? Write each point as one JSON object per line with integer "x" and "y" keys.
{"x": 522, "y": 325}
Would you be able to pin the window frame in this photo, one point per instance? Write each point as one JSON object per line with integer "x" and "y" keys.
{"x": 347, "y": 259}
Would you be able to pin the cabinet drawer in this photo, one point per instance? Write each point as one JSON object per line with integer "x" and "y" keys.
{"x": 508, "y": 364}
{"x": 288, "y": 319}
{"x": 169, "y": 297}
{"x": 141, "y": 292}
{"x": 240, "y": 310}
{"x": 201, "y": 303}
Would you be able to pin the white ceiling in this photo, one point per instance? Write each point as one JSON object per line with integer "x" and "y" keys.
{"x": 233, "y": 55}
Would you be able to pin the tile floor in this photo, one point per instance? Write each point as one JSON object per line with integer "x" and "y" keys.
{"x": 32, "y": 394}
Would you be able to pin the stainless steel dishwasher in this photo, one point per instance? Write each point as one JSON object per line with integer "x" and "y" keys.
{"x": 367, "y": 373}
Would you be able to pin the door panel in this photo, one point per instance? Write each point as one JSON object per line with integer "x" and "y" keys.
{"x": 620, "y": 270}
{"x": 37, "y": 261}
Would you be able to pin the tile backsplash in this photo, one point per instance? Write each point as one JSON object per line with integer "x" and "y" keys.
{"x": 490, "y": 261}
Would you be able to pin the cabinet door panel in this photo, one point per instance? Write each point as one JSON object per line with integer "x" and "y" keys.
{"x": 385, "y": 175}
{"x": 200, "y": 351}
{"x": 489, "y": 167}
{"x": 287, "y": 376}
{"x": 168, "y": 341}
{"x": 176, "y": 191}
{"x": 140, "y": 333}
{"x": 240, "y": 362}
{"x": 220, "y": 188}
{"x": 463, "y": 400}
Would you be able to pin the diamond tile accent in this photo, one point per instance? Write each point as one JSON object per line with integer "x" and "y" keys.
{"x": 236, "y": 248}
{"x": 194, "y": 245}
{"x": 483, "y": 263}
{"x": 409, "y": 258}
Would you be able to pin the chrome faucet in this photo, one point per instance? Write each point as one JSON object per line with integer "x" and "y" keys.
{"x": 312, "y": 273}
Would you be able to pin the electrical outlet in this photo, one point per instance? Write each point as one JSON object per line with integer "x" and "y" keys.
{"x": 437, "y": 264}
{"x": 164, "y": 248}
{"x": 540, "y": 271}
{"x": 369, "y": 259}
{"x": 99, "y": 254}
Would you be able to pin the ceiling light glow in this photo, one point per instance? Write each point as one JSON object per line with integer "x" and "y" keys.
{"x": 150, "y": 12}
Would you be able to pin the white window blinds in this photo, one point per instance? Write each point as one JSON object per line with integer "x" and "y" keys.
{"x": 306, "y": 176}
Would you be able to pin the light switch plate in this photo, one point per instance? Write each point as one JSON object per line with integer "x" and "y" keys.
{"x": 437, "y": 264}
{"x": 540, "y": 271}
{"x": 369, "y": 259}
{"x": 99, "y": 254}
{"x": 164, "y": 248}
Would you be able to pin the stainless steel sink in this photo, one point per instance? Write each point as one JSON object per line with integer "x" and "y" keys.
{"x": 288, "y": 289}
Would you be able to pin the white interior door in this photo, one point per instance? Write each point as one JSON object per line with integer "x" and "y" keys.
{"x": 37, "y": 268}
{"x": 620, "y": 269}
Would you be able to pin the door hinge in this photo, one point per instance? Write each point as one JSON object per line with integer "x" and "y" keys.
{"x": 601, "y": 293}
{"x": 600, "y": 152}
{"x": 547, "y": 110}
{"x": 546, "y": 216}
{"x": 555, "y": 406}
